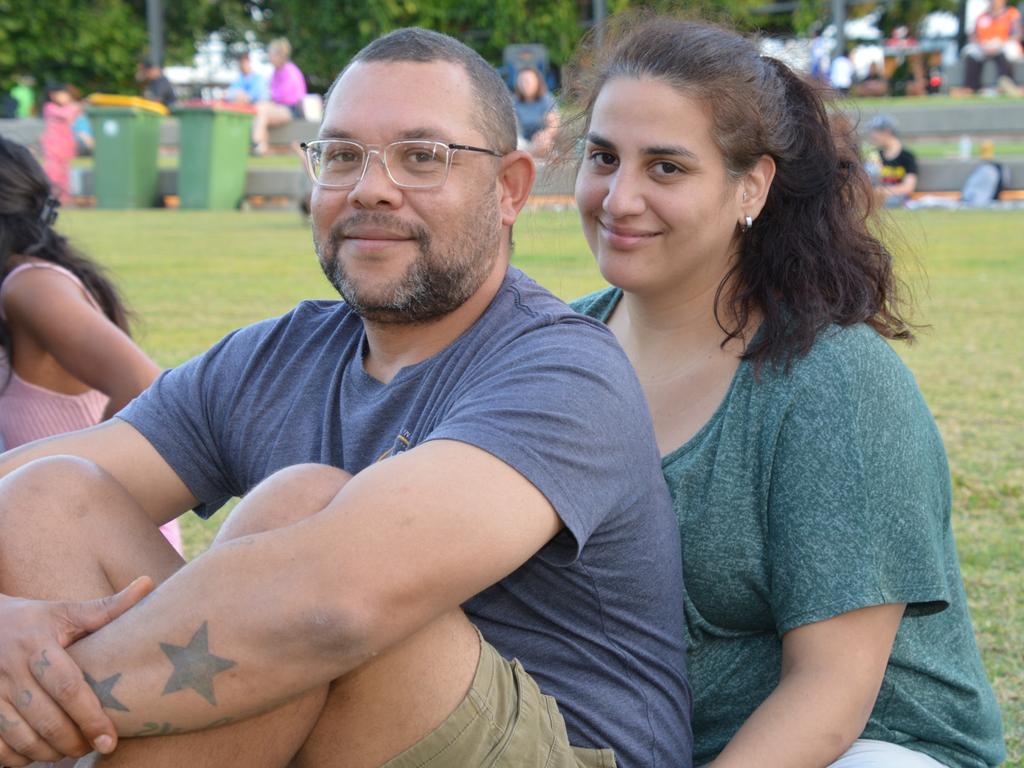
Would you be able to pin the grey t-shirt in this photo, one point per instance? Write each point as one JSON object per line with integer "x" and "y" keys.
{"x": 596, "y": 616}
{"x": 812, "y": 492}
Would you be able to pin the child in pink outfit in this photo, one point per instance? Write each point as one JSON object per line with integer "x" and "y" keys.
{"x": 58, "y": 140}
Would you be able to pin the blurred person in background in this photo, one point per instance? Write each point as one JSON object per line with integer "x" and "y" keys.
{"x": 156, "y": 86}
{"x": 873, "y": 84}
{"x": 898, "y": 173}
{"x": 841, "y": 73}
{"x": 24, "y": 94}
{"x": 996, "y": 37}
{"x": 287, "y": 90}
{"x": 536, "y": 112}
{"x": 67, "y": 360}
{"x": 249, "y": 87}
{"x": 80, "y": 128}
{"x": 58, "y": 139}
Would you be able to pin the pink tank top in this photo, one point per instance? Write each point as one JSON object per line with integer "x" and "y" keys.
{"x": 29, "y": 412}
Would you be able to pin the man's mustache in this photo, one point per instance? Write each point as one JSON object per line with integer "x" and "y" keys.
{"x": 343, "y": 229}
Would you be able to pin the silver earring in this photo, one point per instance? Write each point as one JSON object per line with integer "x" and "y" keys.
{"x": 747, "y": 224}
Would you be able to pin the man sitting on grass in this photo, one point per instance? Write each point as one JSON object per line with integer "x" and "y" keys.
{"x": 416, "y": 460}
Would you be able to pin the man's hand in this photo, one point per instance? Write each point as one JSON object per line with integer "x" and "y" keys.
{"x": 48, "y": 708}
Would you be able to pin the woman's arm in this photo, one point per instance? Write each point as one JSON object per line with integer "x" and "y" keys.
{"x": 831, "y": 674}
{"x": 57, "y": 315}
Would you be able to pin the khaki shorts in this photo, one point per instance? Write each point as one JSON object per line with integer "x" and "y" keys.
{"x": 504, "y": 721}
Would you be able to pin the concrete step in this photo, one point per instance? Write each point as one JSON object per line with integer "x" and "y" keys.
{"x": 917, "y": 119}
{"x": 946, "y": 175}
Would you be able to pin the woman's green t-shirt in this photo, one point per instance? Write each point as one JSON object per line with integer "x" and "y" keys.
{"x": 810, "y": 493}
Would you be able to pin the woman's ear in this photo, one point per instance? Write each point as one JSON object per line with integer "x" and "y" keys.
{"x": 754, "y": 187}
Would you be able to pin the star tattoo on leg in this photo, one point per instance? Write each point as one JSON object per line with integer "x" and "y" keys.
{"x": 104, "y": 692}
{"x": 194, "y": 665}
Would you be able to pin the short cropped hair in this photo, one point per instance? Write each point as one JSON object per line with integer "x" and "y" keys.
{"x": 494, "y": 112}
{"x": 281, "y": 44}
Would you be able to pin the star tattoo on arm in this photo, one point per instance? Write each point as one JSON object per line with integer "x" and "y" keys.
{"x": 194, "y": 665}
{"x": 104, "y": 692}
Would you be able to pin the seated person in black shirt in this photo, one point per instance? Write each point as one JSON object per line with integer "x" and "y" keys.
{"x": 156, "y": 86}
{"x": 898, "y": 178}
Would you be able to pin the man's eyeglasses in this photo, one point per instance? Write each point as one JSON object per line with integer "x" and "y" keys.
{"x": 341, "y": 164}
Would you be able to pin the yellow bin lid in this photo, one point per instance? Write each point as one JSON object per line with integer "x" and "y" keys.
{"x": 136, "y": 102}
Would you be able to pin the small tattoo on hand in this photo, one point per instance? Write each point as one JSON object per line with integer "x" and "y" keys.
{"x": 6, "y": 725}
{"x": 25, "y": 698}
{"x": 39, "y": 666}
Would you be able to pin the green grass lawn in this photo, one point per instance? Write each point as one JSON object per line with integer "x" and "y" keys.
{"x": 193, "y": 276}
{"x": 933, "y": 100}
{"x": 940, "y": 150}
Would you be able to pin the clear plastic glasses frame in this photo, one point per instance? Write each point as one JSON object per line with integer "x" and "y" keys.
{"x": 413, "y": 164}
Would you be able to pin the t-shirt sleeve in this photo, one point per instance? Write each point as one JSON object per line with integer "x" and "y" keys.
{"x": 859, "y": 496}
{"x": 184, "y": 414}
{"x": 563, "y": 408}
{"x": 598, "y": 304}
{"x": 910, "y": 163}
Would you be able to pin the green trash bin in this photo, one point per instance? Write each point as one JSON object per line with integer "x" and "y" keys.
{"x": 214, "y": 147}
{"x": 127, "y": 134}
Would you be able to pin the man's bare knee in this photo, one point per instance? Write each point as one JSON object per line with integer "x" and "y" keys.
{"x": 286, "y": 497}
{"x": 58, "y": 494}
{"x": 72, "y": 531}
{"x": 68, "y": 482}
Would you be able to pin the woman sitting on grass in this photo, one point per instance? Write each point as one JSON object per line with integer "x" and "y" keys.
{"x": 66, "y": 359}
{"x": 826, "y": 613}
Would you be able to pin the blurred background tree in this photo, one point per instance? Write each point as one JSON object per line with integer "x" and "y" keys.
{"x": 96, "y": 44}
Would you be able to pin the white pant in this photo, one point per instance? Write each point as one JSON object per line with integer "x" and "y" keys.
{"x": 1011, "y": 50}
{"x": 868, "y": 753}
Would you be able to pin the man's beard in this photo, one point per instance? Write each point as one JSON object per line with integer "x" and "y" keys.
{"x": 435, "y": 283}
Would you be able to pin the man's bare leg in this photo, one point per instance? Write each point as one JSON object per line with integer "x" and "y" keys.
{"x": 391, "y": 702}
{"x": 71, "y": 532}
{"x": 372, "y": 714}
{"x": 388, "y": 704}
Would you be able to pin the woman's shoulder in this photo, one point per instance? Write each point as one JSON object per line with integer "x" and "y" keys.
{"x": 852, "y": 350}
{"x": 37, "y": 276}
{"x": 40, "y": 268}
{"x": 854, "y": 365}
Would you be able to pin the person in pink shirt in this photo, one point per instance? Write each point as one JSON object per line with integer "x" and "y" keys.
{"x": 67, "y": 361}
{"x": 58, "y": 140}
{"x": 287, "y": 90}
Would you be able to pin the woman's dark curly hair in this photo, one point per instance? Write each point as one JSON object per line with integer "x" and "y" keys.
{"x": 810, "y": 259}
{"x": 25, "y": 230}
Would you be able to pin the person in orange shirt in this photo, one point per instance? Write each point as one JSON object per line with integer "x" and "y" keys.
{"x": 996, "y": 37}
